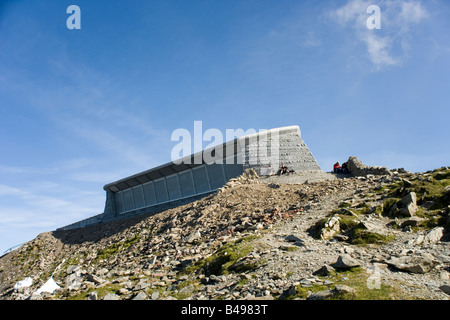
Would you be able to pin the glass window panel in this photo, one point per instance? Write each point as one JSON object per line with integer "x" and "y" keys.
{"x": 138, "y": 197}
{"x": 173, "y": 186}
{"x": 215, "y": 174}
{"x": 149, "y": 194}
{"x": 161, "y": 191}
{"x": 119, "y": 202}
{"x": 186, "y": 183}
{"x": 128, "y": 200}
{"x": 233, "y": 170}
{"x": 200, "y": 179}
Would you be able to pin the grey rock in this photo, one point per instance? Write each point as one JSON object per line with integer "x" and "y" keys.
{"x": 321, "y": 295}
{"x": 413, "y": 221}
{"x": 193, "y": 237}
{"x": 71, "y": 269}
{"x": 346, "y": 262}
{"x": 342, "y": 288}
{"x": 331, "y": 227}
{"x": 324, "y": 271}
{"x": 414, "y": 264}
{"x": 93, "y": 295}
{"x": 434, "y": 235}
{"x": 187, "y": 290}
{"x": 36, "y": 296}
{"x": 445, "y": 288}
{"x": 292, "y": 238}
{"x": 111, "y": 296}
{"x": 155, "y": 295}
{"x": 143, "y": 284}
{"x": 95, "y": 279}
{"x": 357, "y": 168}
{"x": 140, "y": 296}
{"x": 408, "y": 205}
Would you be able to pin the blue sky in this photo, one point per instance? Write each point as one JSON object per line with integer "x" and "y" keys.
{"x": 82, "y": 108}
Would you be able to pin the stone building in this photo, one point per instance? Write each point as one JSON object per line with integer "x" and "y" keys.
{"x": 202, "y": 173}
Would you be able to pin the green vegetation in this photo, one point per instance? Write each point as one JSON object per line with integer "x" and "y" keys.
{"x": 353, "y": 229}
{"x": 101, "y": 292}
{"x": 364, "y": 237}
{"x": 356, "y": 278}
{"x": 115, "y": 248}
{"x": 225, "y": 259}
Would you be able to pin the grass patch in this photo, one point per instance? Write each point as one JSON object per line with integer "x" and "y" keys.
{"x": 364, "y": 237}
{"x": 113, "y": 249}
{"x": 101, "y": 292}
{"x": 225, "y": 259}
{"x": 358, "y": 279}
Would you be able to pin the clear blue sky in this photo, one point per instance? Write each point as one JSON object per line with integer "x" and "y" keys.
{"x": 82, "y": 108}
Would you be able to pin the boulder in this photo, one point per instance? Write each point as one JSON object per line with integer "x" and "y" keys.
{"x": 434, "y": 235}
{"x": 93, "y": 295}
{"x": 324, "y": 271}
{"x": 445, "y": 288}
{"x": 346, "y": 262}
{"x": 193, "y": 237}
{"x": 330, "y": 228}
{"x": 408, "y": 205}
{"x": 140, "y": 296}
{"x": 412, "y": 221}
{"x": 422, "y": 263}
{"x": 320, "y": 295}
{"x": 357, "y": 168}
{"x": 111, "y": 296}
{"x": 343, "y": 289}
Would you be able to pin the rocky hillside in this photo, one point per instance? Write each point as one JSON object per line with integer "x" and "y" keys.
{"x": 380, "y": 235}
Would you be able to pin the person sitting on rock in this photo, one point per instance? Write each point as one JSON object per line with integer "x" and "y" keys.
{"x": 337, "y": 167}
{"x": 283, "y": 169}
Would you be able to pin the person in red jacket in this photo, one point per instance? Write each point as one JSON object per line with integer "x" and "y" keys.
{"x": 337, "y": 167}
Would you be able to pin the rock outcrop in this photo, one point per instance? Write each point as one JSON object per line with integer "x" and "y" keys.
{"x": 357, "y": 168}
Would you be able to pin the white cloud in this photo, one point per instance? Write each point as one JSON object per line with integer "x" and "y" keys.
{"x": 397, "y": 19}
{"x": 311, "y": 40}
{"x": 378, "y": 49}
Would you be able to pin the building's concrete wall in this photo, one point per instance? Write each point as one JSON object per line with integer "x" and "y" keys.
{"x": 276, "y": 147}
{"x": 264, "y": 151}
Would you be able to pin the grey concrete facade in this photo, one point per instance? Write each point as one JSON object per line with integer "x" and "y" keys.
{"x": 202, "y": 173}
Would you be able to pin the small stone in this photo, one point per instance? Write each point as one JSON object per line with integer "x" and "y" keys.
{"x": 342, "y": 288}
{"x": 292, "y": 238}
{"x": 93, "y": 295}
{"x": 445, "y": 288}
{"x": 140, "y": 296}
{"x": 111, "y": 296}
{"x": 321, "y": 295}
{"x": 414, "y": 264}
{"x": 155, "y": 295}
{"x": 434, "y": 235}
{"x": 193, "y": 237}
{"x": 187, "y": 290}
{"x": 324, "y": 271}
